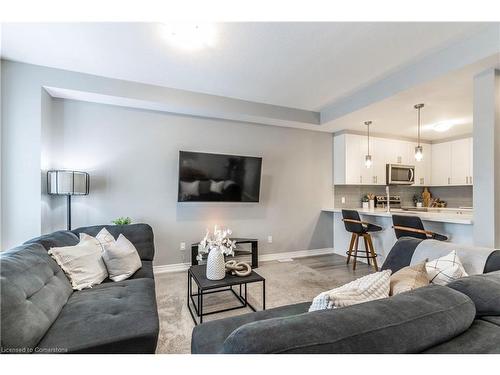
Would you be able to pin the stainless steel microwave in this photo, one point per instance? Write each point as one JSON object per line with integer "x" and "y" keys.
{"x": 398, "y": 174}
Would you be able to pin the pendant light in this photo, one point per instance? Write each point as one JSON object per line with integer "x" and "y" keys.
{"x": 419, "y": 152}
{"x": 368, "y": 157}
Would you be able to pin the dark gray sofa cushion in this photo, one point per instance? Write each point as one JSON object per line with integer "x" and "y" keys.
{"x": 209, "y": 337}
{"x": 484, "y": 290}
{"x": 493, "y": 262}
{"x": 34, "y": 289}
{"x": 390, "y": 325}
{"x": 116, "y": 317}
{"x": 482, "y": 337}
{"x": 141, "y": 235}
{"x": 56, "y": 239}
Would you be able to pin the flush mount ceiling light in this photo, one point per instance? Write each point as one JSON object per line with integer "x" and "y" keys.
{"x": 443, "y": 126}
{"x": 419, "y": 152}
{"x": 190, "y": 36}
{"x": 368, "y": 157}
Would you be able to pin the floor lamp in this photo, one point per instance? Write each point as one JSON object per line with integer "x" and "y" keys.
{"x": 63, "y": 182}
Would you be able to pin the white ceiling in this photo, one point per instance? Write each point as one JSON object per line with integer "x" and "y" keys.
{"x": 300, "y": 65}
{"x": 447, "y": 99}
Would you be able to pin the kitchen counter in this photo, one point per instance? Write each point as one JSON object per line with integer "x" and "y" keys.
{"x": 441, "y": 215}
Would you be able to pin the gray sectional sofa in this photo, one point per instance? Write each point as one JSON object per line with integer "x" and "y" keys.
{"x": 462, "y": 317}
{"x": 40, "y": 313}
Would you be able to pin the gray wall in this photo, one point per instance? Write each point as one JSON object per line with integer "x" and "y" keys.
{"x": 132, "y": 156}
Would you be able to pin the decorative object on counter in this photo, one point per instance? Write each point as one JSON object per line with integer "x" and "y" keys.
{"x": 68, "y": 183}
{"x": 368, "y": 157}
{"x": 426, "y": 197}
{"x": 419, "y": 153}
{"x": 216, "y": 244}
{"x": 438, "y": 203}
{"x": 122, "y": 221}
{"x": 371, "y": 200}
{"x": 366, "y": 202}
{"x": 240, "y": 269}
{"x": 417, "y": 200}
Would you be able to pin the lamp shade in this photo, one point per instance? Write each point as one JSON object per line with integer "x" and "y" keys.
{"x": 63, "y": 182}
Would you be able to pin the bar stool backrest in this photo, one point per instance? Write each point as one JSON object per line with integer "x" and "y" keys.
{"x": 350, "y": 226}
{"x": 408, "y": 221}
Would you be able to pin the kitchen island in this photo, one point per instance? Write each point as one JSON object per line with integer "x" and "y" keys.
{"x": 456, "y": 223}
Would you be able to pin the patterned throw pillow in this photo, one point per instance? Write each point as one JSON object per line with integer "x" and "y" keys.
{"x": 367, "y": 288}
{"x": 409, "y": 278}
{"x": 444, "y": 270}
{"x": 105, "y": 238}
{"x": 83, "y": 263}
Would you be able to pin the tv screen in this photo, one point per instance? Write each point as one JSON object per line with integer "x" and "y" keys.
{"x": 207, "y": 177}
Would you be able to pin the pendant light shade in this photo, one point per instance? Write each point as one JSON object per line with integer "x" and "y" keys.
{"x": 368, "y": 157}
{"x": 419, "y": 151}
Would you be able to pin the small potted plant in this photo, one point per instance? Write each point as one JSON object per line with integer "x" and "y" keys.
{"x": 122, "y": 221}
{"x": 366, "y": 202}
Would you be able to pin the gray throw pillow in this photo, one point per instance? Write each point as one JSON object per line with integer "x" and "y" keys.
{"x": 483, "y": 290}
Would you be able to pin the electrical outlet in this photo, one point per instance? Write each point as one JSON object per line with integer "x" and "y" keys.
{"x": 343, "y": 200}
{"x": 183, "y": 246}
{"x": 269, "y": 239}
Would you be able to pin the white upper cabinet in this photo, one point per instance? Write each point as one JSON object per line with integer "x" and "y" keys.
{"x": 447, "y": 163}
{"x": 452, "y": 163}
{"x": 422, "y": 167}
{"x": 441, "y": 164}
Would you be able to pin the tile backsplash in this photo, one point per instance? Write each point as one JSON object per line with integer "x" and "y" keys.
{"x": 455, "y": 196}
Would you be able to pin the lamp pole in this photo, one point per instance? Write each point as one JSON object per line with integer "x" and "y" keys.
{"x": 69, "y": 212}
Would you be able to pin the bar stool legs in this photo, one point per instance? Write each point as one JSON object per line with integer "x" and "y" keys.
{"x": 369, "y": 250}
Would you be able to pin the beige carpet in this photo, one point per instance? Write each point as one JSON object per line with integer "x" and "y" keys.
{"x": 286, "y": 283}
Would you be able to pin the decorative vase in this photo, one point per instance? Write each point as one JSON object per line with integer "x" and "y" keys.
{"x": 366, "y": 205}
{"x": 372, "y": 204}
{"x": 216, "y": 266}
{"x": 419, "y": 204}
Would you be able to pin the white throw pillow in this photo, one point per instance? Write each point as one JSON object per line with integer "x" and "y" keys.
{"x": 444, "y": 270}
{"x": 216, "y": 187}
{"x": 367, "y": 288}
{"x": 121, "y": 257}
{"x": 105, "y": 238}
{"x": 190, "y": 188}
{"x": 83, "y": 263}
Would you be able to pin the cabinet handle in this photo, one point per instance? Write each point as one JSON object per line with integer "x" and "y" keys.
{"x": 467, "y": 179}
{"x": 360, "y": 179}
{"x": 449, "y": 180}
{"x": 470, "y": 180}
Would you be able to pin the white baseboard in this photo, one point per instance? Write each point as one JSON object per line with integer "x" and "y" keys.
{"x": 178, "y": 267}
{"x": 295, "y": 254}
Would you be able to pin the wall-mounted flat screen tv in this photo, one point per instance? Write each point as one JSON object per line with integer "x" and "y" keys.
{"x": 207, "y": 177}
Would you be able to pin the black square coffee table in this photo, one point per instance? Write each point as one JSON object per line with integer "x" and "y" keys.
{"x": 206, "y": 286}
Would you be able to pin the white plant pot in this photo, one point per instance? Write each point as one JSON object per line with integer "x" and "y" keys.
{"x": 366, "y": 205}
{"x": 372, "y": 204}
{"x": 216, "y": 266}
{"x": 419, "y": 204}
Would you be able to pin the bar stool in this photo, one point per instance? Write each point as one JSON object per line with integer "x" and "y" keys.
{"x": 354, "y": 225}
{"x": 412, "y": 226}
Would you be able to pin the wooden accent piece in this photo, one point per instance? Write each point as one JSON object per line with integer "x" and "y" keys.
{"x": 414, "y": 230}
{"x": 355, "y": 221}
{"x": 351, "y": 246}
